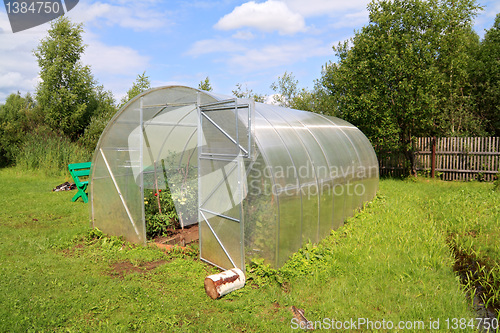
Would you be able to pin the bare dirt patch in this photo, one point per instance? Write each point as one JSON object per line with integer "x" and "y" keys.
{"x": 181, "y": 237}
{"x": 123, "y": 268}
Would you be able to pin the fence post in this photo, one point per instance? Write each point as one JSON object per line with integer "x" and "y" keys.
{"x": 433, "y": 157}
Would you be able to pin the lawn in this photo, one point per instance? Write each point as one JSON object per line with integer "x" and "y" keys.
{"x": 392, "y": 262}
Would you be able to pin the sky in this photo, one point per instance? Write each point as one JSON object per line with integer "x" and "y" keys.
{"x": 251, "y": 43}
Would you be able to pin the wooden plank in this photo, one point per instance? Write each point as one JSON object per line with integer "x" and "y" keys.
{"x": 495, "y": 149}
{"x": 467, "y": 165}
{"x": 471, "y": 171}
{"x": 456, "y": 158}
{"x": 448, "y": 163}
{"x": 481, "y": 158}
{"x": 491, "y": 159}
{"x": 445, "y": 158}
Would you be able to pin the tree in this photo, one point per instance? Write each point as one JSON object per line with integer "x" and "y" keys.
{"x": 66, "y": 87}
{"x": 401, "y": 76}
{"x": 15, "y": 121}
{"x": 285, "y": 90}
{"x": 240, "y": 93}
{"x": 205, "y": 85}
{"x": 487, "y": 78}
{"x": 287, "y": 94}
{"x": 141, "y": 84}
{"x": 456, "y": 51}
{"x": 102, "y": 115}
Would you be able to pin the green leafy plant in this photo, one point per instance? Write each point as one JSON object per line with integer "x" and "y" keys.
{"x": 160, "y": 212}
{"x": 172, "y": 203}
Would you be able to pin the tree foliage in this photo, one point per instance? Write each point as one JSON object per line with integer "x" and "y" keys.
{"x": 205, "y": 85}
{"x": 102, "y": 115}
{"x": 405, "y": 74}
{"x": 141, "y": 84}
{"x": 247, "y": 93}
{"x": 285, "y": 90}
{"x": 486, "y": 74}
{"x": 66, "y": 88}
{"x": 16, "y": 119}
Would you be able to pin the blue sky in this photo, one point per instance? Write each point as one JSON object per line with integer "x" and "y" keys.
{"x": 182, "y": 42}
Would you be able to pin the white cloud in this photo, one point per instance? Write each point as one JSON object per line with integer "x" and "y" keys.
{"x": 19, "y": 68}
{"x": 279, "y": 55}
{"x": 245, "y": 35}
{"x": 107, "y": 59}
{"x": 214, "y": 46}
{"x": 135, "y": 15}
{"x": 267, "y": 16}
{"x": 15, "y": 80}
{"x": 354, "y": 19}
{"x": 326, "y": 7}
{"x": 486, "y": 18}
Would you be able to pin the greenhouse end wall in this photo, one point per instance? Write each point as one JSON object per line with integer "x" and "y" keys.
{"x": 261, "y": 180}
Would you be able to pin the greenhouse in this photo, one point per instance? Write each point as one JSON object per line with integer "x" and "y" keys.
{"x": 260, "y": 180}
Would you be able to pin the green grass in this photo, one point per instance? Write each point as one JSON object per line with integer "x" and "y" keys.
{"x": 390, "y": 262}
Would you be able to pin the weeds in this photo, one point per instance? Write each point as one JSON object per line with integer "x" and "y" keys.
{"x": 47, "y": 151}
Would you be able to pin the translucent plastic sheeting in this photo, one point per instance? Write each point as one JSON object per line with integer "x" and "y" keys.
{"x": 225, "y": 142}
{"x": 151, "y": 137}
{"x": 261, "y": 180}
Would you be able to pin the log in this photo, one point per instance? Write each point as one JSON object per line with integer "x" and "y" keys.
{"x": 218, "y": 285}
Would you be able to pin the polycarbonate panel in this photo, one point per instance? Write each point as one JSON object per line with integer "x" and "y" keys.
{"x": 228, "y": 240}
{"x": 210, "y": 248}
{"x": 366, "y": 173}
{"x": 295, "y": 138}
{"x": 338, "y": 160}
{"x": 220, "y": 184}
{"x": 219, "y": 141}
{"x": 117, "y": 195}
{"x": 286, "y": 187}
{"x": 322, "y": 190}
{"x": 221, "y": 190}
{"x": 260, "y": 213}
{"x": 271, "y": 180}
{"x": 345, "y": 171}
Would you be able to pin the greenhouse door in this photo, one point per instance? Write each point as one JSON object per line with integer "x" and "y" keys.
{"x": 224, "y": 142}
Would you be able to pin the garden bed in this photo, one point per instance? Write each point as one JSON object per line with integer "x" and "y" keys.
{"x": 181, "y": 237}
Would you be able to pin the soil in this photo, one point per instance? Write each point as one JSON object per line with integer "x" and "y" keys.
{"x": 120, "y": 269}
{"x": 181, "y": 237}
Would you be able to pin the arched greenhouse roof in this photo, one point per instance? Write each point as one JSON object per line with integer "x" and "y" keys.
{"x": 260, "y": 180}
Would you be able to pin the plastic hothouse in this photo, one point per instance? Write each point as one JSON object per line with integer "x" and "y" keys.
{"x": 259, "y": 180}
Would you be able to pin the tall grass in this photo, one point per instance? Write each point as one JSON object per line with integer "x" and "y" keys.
{"x": 50, "y": 153}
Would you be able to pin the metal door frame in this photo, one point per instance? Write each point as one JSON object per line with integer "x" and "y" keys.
{"x": 244, "y": 151}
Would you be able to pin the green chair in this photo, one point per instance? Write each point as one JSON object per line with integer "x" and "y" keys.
{"x": 80, "y": 173}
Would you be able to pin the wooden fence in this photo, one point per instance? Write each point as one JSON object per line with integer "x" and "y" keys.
{"x": 449, "y": 158}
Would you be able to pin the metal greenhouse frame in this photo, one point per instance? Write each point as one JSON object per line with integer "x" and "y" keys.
{"x": 261, "y": 180}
